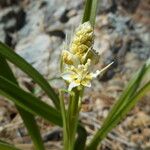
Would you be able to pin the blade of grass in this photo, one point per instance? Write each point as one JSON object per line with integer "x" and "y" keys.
{"x": 5, "y": 70}
{"x": 32, "y": 104}
{"x": 29, "y": 102}
{"x": 3, "y": 142}
{"x": 128, "y": 92}
{"x": 102, "y": 133}
{"x": 27, "y": 117}
{"x": 123, "y": 104}
{"x": 87, "y": 11}
{"x": 9, "y": 54}
{"x": 6, "y": 146}
{"x": 63, "y": 112}
{"x": 32, "y": 127}
{"x": 81, "y": 138}
{"x": 90, "y": 11}
{"x": 133, "y": 100}
{"x": 131, "y": 89}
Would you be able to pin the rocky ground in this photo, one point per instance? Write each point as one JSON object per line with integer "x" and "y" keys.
{"x": 37, "y": 29}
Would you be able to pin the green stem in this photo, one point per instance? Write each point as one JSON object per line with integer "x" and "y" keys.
{"x": 90, "y": 11}
{"x": 73, "y": 114}
{"x": 70, "y": 117}
{"x": 63, "y": 112}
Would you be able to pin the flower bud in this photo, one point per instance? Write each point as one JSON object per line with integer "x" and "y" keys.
{"x": 69, "y": 59}
{"x": 82, "y": 40}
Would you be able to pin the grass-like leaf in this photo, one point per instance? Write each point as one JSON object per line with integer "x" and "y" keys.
{"x": 27, "y": 117}
{"x": 63, "y": 112}
{"x": 5, "y": 70}
{"x": 32, "y": 127}
{"x": 9, "y": 54}
{"x": 90, "y": 11}
{"x": 35, "y": 106}
{"x": 29, "y": 102}
{"x": 6, "y": 146}
{"x": 127, "y": 93}
{"x": 81, "y": 138}
{"x": 127, "y": 100}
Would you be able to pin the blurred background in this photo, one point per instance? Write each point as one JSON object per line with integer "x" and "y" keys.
{"x": 38, "y": 30}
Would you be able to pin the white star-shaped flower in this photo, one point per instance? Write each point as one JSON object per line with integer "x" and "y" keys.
{"x": 80, "y": 76}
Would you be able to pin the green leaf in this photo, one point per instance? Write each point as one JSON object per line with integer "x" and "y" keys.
{"x": 32, "y": 127}
{"x": 64, "y": 118}
{"x": 90, "y": 11}
{"x": 27, "y": 117}
{"x": 101, "y": 134}
{"x": 81, "y": 138}
{"x": 29, "y": 102}
{"x": 130, "y": 90}
{"x": 127, "y": 100}
{"x": 6, "y": 146}
{"x": 9, "y": 54}
{"x": 32, "y": 104}
{"x": 5, "y": 70}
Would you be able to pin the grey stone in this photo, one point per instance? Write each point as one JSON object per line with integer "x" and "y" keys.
{"x": 36, "y": 51}
{"x": 2, "y": 33}
{"x": 105, "y": 5}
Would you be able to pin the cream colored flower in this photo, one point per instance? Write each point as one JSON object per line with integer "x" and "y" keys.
{"x": 70, "y": 59}
{"x": 76, "y": 63}
{"x": 79, "y": 76}
{"x": 91, "y": 54}
{"x": 82, "y": 40}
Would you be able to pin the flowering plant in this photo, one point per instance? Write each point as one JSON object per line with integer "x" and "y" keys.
{"x": 76, "y": 69}
{"x": 76, "y": 64}
{"x": 78, "y": 61}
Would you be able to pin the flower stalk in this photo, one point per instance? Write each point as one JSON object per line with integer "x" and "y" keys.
{"x": 73, "y": 114}
{"x": 76, "y": 66}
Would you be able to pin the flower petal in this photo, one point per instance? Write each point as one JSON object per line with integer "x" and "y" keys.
{"x": 72, "y": 85}
{"x": 105, "y": 68}
{"x": 86, "y": 83}
{"x": 67, "y": 76}
{"x": 94, "y": 75}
